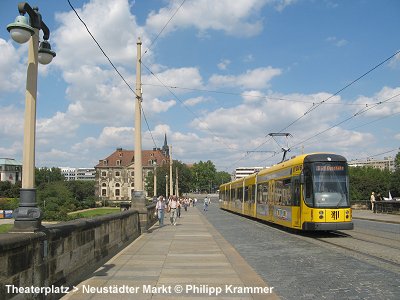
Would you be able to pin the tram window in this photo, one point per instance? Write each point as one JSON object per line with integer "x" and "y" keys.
{"x": 240, "y": 194}
{"x": 262, "y": 191}
{"x": 246, "y": 193}
{"x": 283, "y": 192}
{"x": 308, "y": 187}
{"x": 253, "y": 193}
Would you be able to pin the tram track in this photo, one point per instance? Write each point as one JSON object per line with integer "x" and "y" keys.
{"x": 393, "y": 266}
{"x": 351, "y": 235}
{"x": 378, "y": 254}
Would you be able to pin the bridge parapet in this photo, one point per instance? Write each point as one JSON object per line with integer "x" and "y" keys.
{"x": 64, "y": 253}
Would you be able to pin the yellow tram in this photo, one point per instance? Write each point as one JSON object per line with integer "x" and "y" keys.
{"x": 307, "y": 192}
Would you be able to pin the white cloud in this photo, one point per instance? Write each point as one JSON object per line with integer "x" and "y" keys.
{"x": 110, "y": 22}
{"x": 12, "y": 66}
{"x": 155, "y": 106}
{"x": 337, "y": 42}
{"x": 194, "y": 101}
{"x": 238, "y": 18}
{"x": 253, "y": 79}
{"x": 395, "y": 61}
{"x": 109, "y": 137}
{"x": 248, "y": 58}
{"x": 12, "y": 122}
{"x": 390, "y": 98}
{"x": 223, "y": 65}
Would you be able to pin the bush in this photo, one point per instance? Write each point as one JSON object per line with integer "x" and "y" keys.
{"x": 9, "y": 203}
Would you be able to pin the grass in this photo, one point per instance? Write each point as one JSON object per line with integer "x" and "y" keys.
{"x": 95, "y": 212}
{"x": 4, "y": 228}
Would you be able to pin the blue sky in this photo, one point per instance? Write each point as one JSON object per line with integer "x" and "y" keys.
{"x": 237, "y": 70}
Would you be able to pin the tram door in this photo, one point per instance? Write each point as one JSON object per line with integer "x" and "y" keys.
{"x": 296, "y": 207}
{"x": 271, "y": 200}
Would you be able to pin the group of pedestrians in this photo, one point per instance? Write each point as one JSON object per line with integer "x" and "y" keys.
{"x": 173, "y": 205}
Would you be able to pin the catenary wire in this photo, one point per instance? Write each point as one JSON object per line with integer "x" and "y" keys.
{"x": 255, "y": 96}
{"x": 186, "y": 107}
{"x": 115, "y": 68}
{"x": 166, "y": 24}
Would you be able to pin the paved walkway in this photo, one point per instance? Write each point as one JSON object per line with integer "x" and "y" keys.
{"x": 189, "y": 260}
{"x": 379, "y": 217}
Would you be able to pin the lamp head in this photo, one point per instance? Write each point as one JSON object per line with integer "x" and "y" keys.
{"x": 45, "y": 54}
{"x": 20, "y": 30}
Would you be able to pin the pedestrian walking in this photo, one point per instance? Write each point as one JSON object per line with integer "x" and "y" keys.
{"x": 173, "y": 205}
{"x": 372, "y": 199}
{"x": 206, "y": 203}
{"x": 160, "y": 207}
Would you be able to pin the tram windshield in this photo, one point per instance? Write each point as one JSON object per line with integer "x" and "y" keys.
{"x": 327, "y": 185}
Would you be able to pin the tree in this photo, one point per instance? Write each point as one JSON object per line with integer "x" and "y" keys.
{"x": 47, "y": 175}
{"x": 222, "y": 177}
{"x": 204, "y": 175}
{"x": 184, "y": 178}
{"x": 365, "y": 180}
{"x": 397, "y": 162}
{"x": 83, "y": 192}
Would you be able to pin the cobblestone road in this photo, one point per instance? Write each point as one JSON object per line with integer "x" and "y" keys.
{"x": 301, "y": 269}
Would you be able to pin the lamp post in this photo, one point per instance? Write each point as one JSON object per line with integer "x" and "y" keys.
{"x": 28, "y": 216}
{"x": 166, "y": 186}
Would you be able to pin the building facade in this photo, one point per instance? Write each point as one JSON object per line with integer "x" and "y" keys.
{"x": 245, "y": 171}
{"x": 10, "y": 170}
{"x": 78, "y": 173}
{"x": 115, "y": 173}
{"x": 387, "y": 163}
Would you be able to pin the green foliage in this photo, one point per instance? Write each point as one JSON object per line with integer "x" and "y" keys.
{"x": 47, "y": 175}
{"x": 4, "y": 228}
{"x": 9, "y": 203}
{"x": 95, "y": 212}
{"x": 204, "y": 176}
{"x": 201, "y": 176}
{"x": 9, "y": 190}
{"x": 365, "y": 180}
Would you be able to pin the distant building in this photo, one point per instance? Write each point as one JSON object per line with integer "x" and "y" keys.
{"x": 387, "y": 163}
{"x": 10, "y": 170}
{"x": 245, "y": 171}
{"x": 115, "y": 173}
{"x": 78, "y": 173}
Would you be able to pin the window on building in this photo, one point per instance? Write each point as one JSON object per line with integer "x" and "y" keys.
{"x": 105, "y": 162}
{"x": 104, "y": 173}
{"x": 104, "y": 184}
{"x": 133, "y": 173}
{"x": 117, "y": 173}
{"x": 117, "y": 192}
{"x": 117, "y": 185}
{"x": 118, "y": 162}
{"x": 104, "y": 192}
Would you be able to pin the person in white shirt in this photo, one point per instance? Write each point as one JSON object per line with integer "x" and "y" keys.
{"x": 160, "y": 207}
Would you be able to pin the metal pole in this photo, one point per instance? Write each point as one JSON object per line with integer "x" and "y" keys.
{"x": 138, "y": 181}
{"x": 155, "y": 181}
{"x": 170, "y": 171}
{"x": 176, "y": 184}
{"x": 28, "y": 215}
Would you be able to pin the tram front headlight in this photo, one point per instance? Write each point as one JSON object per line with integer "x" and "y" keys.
{"x": 347, "y": 214}
{"x": 321, "y": 214}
